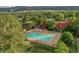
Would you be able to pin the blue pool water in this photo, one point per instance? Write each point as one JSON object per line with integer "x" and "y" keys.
{"x": 39, "y": 36}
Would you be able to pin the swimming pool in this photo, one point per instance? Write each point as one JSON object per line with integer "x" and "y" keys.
{"x": 39, "y": 36}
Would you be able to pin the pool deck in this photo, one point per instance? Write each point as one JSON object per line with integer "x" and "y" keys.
{"x": 52, "y": 43}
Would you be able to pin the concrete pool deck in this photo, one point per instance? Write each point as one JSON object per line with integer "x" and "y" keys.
{"x": 52, "y": 43}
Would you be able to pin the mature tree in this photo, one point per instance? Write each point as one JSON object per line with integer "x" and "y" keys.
{"x": 68, "y": 38}
{"x": 60, "y": 17}
{"x": 61, "y": 48}
{"x": 51, "y": 24}
{"x": 39, "y": 20}
{"x": 75, "y": 27}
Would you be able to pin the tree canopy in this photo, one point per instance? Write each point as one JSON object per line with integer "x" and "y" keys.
{"x": 68, "y": 38}
{"x": 12, "y": 37}
{"x": 61, "y": 47}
